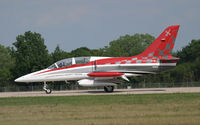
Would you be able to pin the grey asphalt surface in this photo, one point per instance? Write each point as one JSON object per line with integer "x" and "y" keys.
{"x": 101, "y": 92}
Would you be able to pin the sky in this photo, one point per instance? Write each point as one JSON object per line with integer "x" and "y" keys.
{"x": 94, "y": 23}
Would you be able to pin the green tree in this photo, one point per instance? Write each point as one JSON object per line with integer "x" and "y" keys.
{"x": 190, "y": 52}
{"x": 59, "y": 54}
{"x": 6, "y": 64}
{"x": 129, "y": 45}
{"x": 98, "y": 52}
{"x": 30, "y": 53}
{"x": 82, "y": 51}
{"x": 196, "y": 69}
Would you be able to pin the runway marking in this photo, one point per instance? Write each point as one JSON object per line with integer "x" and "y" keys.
{"x": 101, "y": 92}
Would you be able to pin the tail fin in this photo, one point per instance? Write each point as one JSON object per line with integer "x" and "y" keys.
{"x": 163, "y": 45}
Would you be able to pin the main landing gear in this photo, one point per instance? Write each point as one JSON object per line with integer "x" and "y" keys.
{"x": 46, "y": 89}
{"x": 108, "y": 88}
{"x": 49, "y": 90}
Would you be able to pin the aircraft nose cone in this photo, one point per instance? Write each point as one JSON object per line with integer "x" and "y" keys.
{"x": 20, "y": 79}
{"x": 31, "y": 77}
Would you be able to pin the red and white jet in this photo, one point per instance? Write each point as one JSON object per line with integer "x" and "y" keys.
{"x": 103, "y": 71}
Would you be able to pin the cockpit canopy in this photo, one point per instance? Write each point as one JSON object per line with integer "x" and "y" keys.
{"x": 76, "y": 60}
{"x": 69, "y": 62}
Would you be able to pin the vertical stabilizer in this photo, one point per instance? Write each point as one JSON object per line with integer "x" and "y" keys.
{"x": 163, "y": 45}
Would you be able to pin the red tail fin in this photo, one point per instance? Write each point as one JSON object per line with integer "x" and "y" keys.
{"x": 163, "y": 45}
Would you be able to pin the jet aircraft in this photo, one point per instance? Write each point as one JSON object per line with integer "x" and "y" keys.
{"x": 106, "y": 71}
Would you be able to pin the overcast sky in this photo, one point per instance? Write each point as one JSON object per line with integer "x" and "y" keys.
{"x": 94, "y": 23}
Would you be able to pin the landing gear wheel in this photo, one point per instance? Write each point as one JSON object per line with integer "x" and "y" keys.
{"x": 108, "y": 88}
{"x": 48, "y": 91}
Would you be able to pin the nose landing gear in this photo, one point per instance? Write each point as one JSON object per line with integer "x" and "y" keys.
{"x": 46, "y": 89}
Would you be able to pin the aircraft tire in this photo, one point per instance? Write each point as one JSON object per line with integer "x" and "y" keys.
{"x": 108, "y": 88}
{"x": 48, "y": 91}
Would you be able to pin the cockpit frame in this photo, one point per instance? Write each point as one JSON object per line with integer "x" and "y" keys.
{"x": 69, "y": 62}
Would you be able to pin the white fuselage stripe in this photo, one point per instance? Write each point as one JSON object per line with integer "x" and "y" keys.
{"x": 114, "y": 65}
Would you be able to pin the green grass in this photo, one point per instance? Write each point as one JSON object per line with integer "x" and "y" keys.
{"x": 151, "y": 109}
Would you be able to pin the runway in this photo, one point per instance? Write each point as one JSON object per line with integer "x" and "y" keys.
{"x": 101, "y": 92}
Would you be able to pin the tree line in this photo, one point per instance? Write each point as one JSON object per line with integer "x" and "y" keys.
{"x": 29, "y": 53}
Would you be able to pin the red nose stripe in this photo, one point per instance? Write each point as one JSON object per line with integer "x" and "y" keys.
{"x": 105, "y": 74}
